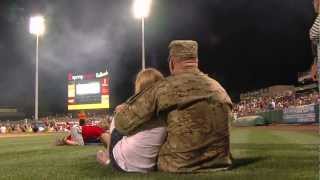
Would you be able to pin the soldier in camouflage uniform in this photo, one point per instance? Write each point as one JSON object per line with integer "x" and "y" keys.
{"x": 195, "y": 108}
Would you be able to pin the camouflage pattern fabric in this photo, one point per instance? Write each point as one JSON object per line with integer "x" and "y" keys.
{"x": 183, "y": 49}
{"x": 196, "y": 110}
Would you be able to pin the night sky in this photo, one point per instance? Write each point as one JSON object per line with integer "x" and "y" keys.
{"x": 244, "y": 44}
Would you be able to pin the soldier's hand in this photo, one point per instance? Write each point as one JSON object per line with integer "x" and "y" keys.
{"x": 120, "y": 107}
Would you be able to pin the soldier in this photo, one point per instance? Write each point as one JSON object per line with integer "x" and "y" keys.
{"x": 195, "y": 108}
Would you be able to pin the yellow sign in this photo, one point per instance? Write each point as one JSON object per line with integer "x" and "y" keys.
{"x": 71, "y": 90}
{"x": 88, "y": 106}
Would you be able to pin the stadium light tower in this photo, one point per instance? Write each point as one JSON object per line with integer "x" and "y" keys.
{"x": 37, "y": 28}
{"x": 141, "y": 9}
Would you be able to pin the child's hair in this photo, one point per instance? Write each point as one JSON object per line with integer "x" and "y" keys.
{"x": 146, "y": 78}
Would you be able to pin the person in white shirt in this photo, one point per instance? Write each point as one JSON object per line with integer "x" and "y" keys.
{"x": 3, "y": 129}
{"x": 314, "y": 35}
{"x": 315, "y": 31}
{"x": 138, "y": 152}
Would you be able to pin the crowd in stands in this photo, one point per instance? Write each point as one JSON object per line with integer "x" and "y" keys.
{"x": 251, "y": 106}
{"x": 48, "y": 124}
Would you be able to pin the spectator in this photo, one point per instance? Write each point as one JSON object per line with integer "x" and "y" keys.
{"x": 255, "y": 105}
{"x": 3, "y": 129}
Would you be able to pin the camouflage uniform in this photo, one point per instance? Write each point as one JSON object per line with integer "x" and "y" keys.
{"x": 196, "y": 110}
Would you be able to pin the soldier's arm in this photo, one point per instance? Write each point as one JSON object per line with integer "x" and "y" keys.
{"x": 136, "y": 111}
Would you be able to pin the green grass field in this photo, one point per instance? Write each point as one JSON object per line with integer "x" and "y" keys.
{"x": 259, "y": 154}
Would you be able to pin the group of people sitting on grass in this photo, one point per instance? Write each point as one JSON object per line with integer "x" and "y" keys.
{"x": 16, "y": 128}
{"x": 175, "y": 124}
{"x": 48, "y": 124}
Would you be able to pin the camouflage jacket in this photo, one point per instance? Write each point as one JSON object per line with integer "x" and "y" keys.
{"x": 196, "y": 110}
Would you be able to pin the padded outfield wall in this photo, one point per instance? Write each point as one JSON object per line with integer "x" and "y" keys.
{"x": 297, "y": 114}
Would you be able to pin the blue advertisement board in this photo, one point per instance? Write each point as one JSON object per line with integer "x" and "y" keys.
{"x": 300, "y": 114}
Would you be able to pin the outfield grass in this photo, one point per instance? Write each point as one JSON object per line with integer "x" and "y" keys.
{"x": 259, "y": 154}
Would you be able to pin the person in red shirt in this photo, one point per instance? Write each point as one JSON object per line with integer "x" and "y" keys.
{"x": 91, "y": 133}
{"x": 82, "y": 115}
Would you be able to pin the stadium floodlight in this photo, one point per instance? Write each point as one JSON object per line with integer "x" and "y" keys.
{"x": 36, "y": 25}
{"x": 37, "y": 28}
{"x": 141, "y": 10}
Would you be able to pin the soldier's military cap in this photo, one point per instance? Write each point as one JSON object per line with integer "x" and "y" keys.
{"x": 183, "y": 49}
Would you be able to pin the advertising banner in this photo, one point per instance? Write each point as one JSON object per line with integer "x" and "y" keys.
{"x": 300, "y": 114}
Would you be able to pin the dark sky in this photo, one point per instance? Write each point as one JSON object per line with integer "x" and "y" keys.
{"x": 244, "y": 44}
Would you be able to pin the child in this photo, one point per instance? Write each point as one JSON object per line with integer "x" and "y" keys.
{"x": 138, "y": 152}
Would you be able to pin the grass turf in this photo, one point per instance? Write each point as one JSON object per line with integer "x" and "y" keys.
{"x": 259, "y": 154}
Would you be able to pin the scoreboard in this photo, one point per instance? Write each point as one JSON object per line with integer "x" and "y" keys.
{"x": 88, "y": 91}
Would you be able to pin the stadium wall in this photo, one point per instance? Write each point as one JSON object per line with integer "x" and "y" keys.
{"x": 297, "y": 114}
{"x": 272, "y": 116}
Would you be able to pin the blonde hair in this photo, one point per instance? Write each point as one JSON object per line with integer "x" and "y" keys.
{"x": 146, "y": 78}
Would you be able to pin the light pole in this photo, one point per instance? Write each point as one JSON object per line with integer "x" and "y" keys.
{"x": 141, "y": 9}
{"x": 37, "y": 28}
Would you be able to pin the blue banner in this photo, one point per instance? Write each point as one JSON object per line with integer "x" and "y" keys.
{"x": 300, "y": 114}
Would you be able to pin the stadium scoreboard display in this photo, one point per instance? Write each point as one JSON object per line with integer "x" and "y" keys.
{"x": 88, "y": 91}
